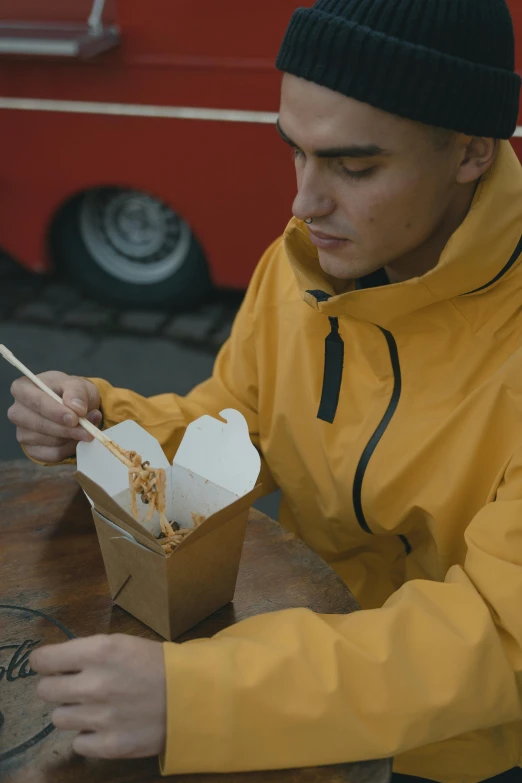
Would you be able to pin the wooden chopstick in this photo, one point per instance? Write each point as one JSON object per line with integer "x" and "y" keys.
{"x": 85, "y": 423}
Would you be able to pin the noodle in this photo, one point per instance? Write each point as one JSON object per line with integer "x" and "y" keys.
{"x": 150, "y": 484}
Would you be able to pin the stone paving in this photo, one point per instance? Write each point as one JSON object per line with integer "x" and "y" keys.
{"x": 28, "y": 299}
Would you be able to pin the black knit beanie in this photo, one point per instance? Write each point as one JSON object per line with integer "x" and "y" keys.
{"x": 447, "y": 63}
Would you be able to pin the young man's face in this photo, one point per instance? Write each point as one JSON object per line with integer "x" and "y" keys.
{"x": 380, "y": 186}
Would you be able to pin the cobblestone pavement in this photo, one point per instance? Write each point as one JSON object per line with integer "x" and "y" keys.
{"x": 50, "y": 302}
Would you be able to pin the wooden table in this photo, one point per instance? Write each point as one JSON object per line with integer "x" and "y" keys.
{"x": 53, "y": 586}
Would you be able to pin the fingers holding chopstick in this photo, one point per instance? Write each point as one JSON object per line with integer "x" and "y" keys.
{"x": 36, "y": 426}
{"x": 79, "y": 397}
{"x": 45, "y": 447}
{"x": 48, "y": 429}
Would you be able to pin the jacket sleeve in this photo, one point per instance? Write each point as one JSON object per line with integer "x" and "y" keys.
{"x": 234, "y": 384}
{"x": 295, "y": 689}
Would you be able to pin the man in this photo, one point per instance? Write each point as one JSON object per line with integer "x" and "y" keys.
{"x": 397, "y": 443}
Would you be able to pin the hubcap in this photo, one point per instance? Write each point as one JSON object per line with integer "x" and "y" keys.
{"x": 133, "y": 236}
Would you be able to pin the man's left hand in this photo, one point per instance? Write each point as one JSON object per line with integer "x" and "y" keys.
{"x": 111, "y": 689}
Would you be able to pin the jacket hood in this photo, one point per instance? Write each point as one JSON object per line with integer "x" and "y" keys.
{"x": 486, "y": 245}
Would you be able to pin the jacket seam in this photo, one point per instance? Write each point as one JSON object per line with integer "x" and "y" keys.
{"x": 506, "y": 269}
{"x": 476, "y": 335}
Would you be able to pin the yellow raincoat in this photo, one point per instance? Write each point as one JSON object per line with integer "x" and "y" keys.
{"x": 408, "y": 483}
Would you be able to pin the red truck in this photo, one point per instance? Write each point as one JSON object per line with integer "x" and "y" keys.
{"x": 141, "y": 153}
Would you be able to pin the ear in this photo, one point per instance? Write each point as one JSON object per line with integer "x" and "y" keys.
{"x": 478, "y": 156}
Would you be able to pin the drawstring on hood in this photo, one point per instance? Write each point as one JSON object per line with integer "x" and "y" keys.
{"x": 333, "y": 367}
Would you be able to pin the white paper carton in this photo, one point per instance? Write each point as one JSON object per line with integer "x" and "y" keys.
{"x": 213, "y": 478}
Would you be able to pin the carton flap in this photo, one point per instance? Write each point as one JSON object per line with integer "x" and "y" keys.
{"x": 194, "y": 497}
{"x": 112, "y": 476}
{"x": 221, "y": 451}
{"x": 105, "y": 469}
{"x": 123, "y": 532}
{"x": 221, "y": 518}
{"x": 110, "y": 508}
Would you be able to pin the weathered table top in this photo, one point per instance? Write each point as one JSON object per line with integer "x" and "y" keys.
{"x": 53, "y": 586}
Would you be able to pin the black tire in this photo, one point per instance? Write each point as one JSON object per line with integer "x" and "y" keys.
{"x": 183, "y": 285}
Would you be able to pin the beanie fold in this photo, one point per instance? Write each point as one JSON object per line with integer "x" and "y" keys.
{"x": 403, "y": 78}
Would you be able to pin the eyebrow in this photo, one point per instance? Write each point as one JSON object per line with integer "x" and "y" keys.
{"x": 353, "y": 151}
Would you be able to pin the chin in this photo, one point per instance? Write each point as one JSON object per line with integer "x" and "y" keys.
{"x": 345, "y": 268}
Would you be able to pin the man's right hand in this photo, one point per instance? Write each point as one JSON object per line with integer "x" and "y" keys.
{"x": 49, "y": 431}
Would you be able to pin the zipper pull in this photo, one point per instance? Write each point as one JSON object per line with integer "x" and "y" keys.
{"x": 333, "y": 373}
{"x": 333, "y": 367}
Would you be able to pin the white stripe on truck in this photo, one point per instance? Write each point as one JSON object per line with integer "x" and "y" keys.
{"x": 140, "y": 110}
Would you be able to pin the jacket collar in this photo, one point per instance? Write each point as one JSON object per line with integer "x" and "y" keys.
{"x": 475, "y": 255}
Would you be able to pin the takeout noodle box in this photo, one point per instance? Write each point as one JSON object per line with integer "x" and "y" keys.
{"x": 212, "y": 478}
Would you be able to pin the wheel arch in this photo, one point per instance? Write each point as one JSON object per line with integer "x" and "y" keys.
{"x": 55, "y": 213}
{"x": 65, "y": 232}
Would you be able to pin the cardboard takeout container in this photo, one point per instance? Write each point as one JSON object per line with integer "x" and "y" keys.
{"x": 212, "y": 478}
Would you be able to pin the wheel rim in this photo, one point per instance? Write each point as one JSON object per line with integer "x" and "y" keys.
{"x": 132, "y": 236}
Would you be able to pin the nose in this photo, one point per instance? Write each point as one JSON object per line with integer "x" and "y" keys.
{"x": 313, "y": 199}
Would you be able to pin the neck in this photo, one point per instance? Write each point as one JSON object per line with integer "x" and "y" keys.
{"x": 426, "y": 257}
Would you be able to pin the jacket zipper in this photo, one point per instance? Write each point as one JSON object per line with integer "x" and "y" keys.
{"x": 332, "y": 381}
{"x": 379, "y": 432}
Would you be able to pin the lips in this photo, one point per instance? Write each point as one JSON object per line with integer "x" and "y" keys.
{"x": 326, "y": 241}
{"x": 321, "y": 235}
